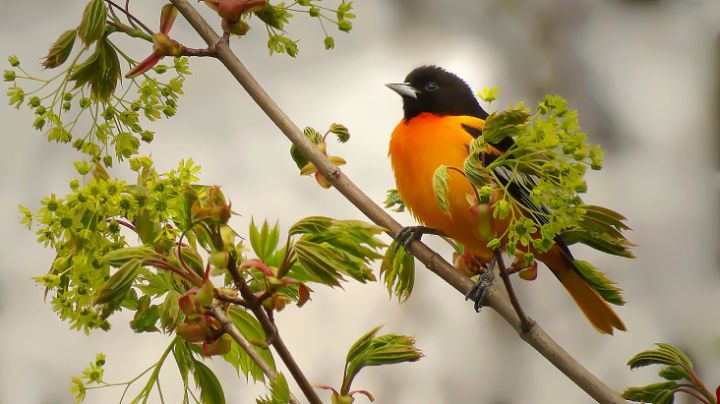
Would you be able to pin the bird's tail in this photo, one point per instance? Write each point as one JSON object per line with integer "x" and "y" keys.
{"x": 570, "y": 273}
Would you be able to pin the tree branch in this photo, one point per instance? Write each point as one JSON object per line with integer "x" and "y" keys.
{"x": 230, "y": 328}
{"x": 534, "y": 335}
{"x": 273, "y": 335}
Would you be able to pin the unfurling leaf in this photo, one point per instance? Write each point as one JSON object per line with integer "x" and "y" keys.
{"x": 665, "y": 355}
{"x": 60, "y": 50}
{"x": 101, "y": 71}
{"x": 340, "y": 131}
{"x": 394, "y": 201}
{"x": 113, "y": 291}
{"x": 503, "y": 124}
{"x": 398, "y": 271}
{"x": 122, "y": 255}
{"x": 604, "y": 286}
{"x": 371, "y": 350}
{"x": 210, "y": 389}
{"x": 440, "y": 187}
{"x": 92, "y": 27}
{"x": 649, "y": 393}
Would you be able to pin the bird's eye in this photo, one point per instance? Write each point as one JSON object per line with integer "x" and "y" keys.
{"x": 431, "y": 86}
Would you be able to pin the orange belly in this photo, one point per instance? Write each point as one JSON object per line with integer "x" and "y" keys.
{"x": 417, "y": 148}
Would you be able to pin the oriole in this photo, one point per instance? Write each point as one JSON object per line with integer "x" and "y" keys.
{"x": 441, "y": 119}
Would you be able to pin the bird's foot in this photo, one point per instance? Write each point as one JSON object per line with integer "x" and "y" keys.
{"x": 408, "y": 234}
{"x": 479, "y": 292}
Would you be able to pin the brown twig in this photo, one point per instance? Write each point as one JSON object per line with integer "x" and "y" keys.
{"x": 535, "y": 336}
{"x": 131, "y": 18}
{"x": 230, "y": 328}
{"x": 525, "y": 323}
{"x": 273, "y": 336}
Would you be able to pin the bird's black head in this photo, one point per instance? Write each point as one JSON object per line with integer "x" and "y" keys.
{"x": 435, "y": 90}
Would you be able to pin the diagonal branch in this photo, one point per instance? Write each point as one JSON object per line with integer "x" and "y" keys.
{"x": 533, "y": 335}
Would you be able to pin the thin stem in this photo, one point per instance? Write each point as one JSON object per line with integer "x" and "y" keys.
{"x": 706, "y": 392}
{"x": 692, "y": 393}
{"x": 537, "y": 338}
{"x": 131, "y": 18}
{"x": 272, "y": 333}
{"x": 230, "y": 328}
{"x": 525, "y": 323}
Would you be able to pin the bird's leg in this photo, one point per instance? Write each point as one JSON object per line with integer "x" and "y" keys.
{"x": 479, "y": 291}
{"x": 408, "y": 234}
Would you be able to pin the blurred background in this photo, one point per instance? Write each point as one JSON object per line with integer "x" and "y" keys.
{"x": 643, "y": 75}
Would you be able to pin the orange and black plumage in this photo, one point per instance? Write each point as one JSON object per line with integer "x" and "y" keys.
{"x": 441, "y": 119}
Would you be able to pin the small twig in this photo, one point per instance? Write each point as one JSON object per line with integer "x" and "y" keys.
{"x": 273, "y": 336}
{"x": 238, "y": 301}
{"x": 206, "y": 52}
{"x": 525, "y": 323}
{"x": 131, "y": 18}
{"x": 172, "y": 268}
{"x": 230, "y": 328}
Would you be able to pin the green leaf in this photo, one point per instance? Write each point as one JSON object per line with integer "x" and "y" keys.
{"x": 279, "y": 389}
{"x": 253, "y": 332}
{"x": 113, "y": 291}
{"x": 311, "y": 225}
{"x": 184, "y": 360}
{"x": 604, "y": 286}
{"x": 60, "y": 50}
{"x": 370, "y": 350}
{"x": 340, "y": 131}
{"x": 398, "y": 272}
{"x": 92, "y": 27}
{"x": 648, "y": 393}
{"x": 101, "y": 71}
{"x": 440, "y": 188}
{"x": 120, "y": 256}
{"x": 504, "y": 124}
{"x": 320, "y": 262}
{"x": 145, "y": 319}
{"x": 394, "y": 201}
{"x": 264, "y": 241}
{"x": 674, "y": 373}
{"x": 211, "y": 391}
{"x": 361, "y": 345}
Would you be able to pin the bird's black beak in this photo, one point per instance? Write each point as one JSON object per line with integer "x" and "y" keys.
{"x": 404, "y": 89}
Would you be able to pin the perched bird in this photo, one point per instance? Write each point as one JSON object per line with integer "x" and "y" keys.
{"x": 441, "y": 119}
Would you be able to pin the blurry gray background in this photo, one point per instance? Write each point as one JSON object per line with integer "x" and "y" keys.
{"x": 643, "y": 74}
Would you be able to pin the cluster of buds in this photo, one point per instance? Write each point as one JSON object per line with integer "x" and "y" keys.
{"x": 212, "y": 208}
{"x": 232, "y": 12}
{"x": 198, "y": 326}
{"x": 275, "y": 281}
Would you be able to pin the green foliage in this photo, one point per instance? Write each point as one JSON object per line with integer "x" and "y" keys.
{"x": 440, "y": 188}
{"x": 398, "y": 271}
{"x": 541, "y": 177}
{"x": 373, "y": 350}
{"x": 488, "y": 94}
{"x": 327, "y": 249}
{"x": 677, "y": 369}
{"x": 304, "y": 164}
{"x": 253, "y": 332}
{"x": 279, "y": 392}
{"x": 277, "y": 16}
{"x": 393, "y": 201}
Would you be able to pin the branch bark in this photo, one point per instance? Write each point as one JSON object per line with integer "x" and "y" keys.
{"x": 230, "y": 328}
{"x": 534, "y": 335}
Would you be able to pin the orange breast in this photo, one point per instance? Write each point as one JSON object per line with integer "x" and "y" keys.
{"x": 417, "y": 148}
